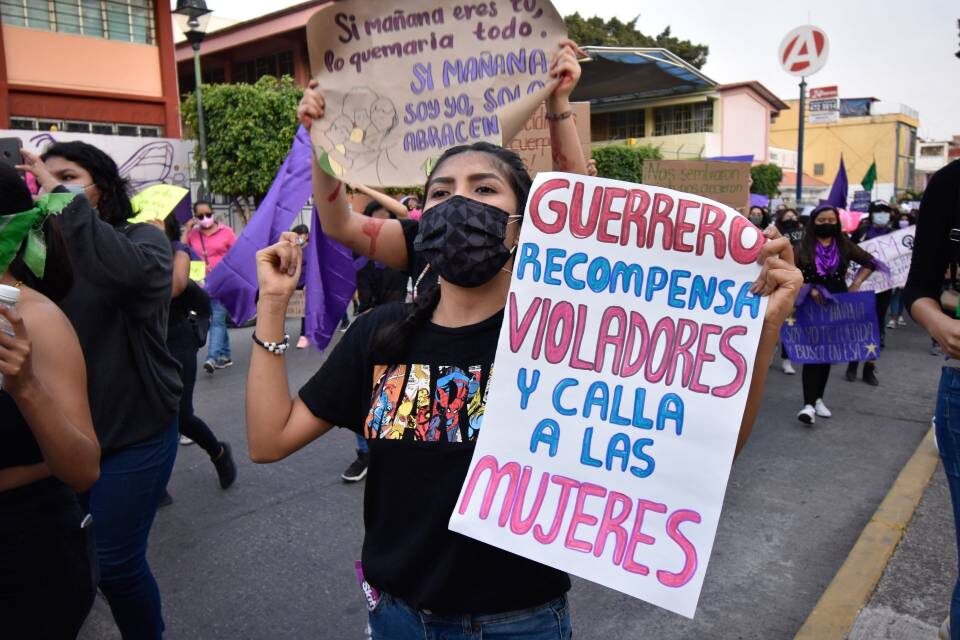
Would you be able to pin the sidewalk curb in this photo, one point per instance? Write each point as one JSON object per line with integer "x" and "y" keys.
{"x": 853, "y": 585}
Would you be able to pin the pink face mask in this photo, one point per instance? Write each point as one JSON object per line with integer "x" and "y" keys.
{"x": 207, "y": 222}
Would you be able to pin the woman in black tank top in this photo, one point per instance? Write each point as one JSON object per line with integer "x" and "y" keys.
{"x": 48, "y": 449}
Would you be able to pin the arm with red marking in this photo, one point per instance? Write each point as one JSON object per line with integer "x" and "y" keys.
{"x": 567, "y": 154}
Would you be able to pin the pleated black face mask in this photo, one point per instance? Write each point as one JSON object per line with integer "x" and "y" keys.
{"x": 462, "y": 239}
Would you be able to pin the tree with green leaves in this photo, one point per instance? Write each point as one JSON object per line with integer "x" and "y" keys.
{"x": 623, "y": 162}
{"x": 615, "y": 33}
{"x": 765, "y": 179}
{"x": 250, "y": 128}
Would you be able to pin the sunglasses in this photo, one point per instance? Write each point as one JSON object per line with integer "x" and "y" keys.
{"x": 201, "y": 216}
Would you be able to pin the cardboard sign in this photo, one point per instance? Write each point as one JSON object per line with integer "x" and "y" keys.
{"x": 157, "y": 202}
{"x": 726, "y": 182}
{"x": 297, "y": 305}
{"x": 895, "y": 249}
{"x": 533, "y": 142}
{"x": 402, "y": 85}
{"x": 843, "y": 328}
{"x": 620, "y": 382}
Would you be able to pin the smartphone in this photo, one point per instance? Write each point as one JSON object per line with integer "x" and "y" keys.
{"x": 10, "y": 151}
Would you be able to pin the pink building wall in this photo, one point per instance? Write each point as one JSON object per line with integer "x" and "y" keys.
{"x": 745, "y": 124}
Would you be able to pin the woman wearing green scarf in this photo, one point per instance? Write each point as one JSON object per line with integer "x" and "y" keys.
{"x": 48, "y": 449}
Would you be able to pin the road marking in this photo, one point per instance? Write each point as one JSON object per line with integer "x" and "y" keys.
{"x": 851, "y": 588}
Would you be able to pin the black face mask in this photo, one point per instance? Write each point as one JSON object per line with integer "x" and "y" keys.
{"x": 463, "y": 240}
{"x": 826, "y": 230}
{"x": 788, "y": 225}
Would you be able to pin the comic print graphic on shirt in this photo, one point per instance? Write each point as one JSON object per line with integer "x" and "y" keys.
{"x": 440, "y": 403}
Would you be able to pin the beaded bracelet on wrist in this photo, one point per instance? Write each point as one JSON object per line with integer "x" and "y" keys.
{"x": 276, "y": 348}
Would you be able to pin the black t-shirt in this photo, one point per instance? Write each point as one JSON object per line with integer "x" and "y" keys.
{"x": 421, "y": 418}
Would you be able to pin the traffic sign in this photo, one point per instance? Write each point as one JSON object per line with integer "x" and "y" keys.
{"x": 804, "y": 50}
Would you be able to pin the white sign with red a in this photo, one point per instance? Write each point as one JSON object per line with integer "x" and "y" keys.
{"x": 804, "y": 50}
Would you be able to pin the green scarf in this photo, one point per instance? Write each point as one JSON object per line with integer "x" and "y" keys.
{"x": 25, "y": 230}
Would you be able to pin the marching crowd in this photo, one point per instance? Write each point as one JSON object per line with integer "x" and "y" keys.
{"x": 100, "y": 363}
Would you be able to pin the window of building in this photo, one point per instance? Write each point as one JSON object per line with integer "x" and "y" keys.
{"x": 124, "y": 20}
{"x": 818, "y": 169}
{"x": 275, "y": 64}
{"x": 932, "y": 150}
{"x": 683, "y": 118}
{"x": 626, "y": 124}
{"x": 75, "y": 126}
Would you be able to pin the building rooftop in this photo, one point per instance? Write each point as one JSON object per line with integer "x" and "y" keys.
{"x": 776, "y": 103}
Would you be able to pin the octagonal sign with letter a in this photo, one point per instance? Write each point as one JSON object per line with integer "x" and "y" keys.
{"x": 804, "y": 50}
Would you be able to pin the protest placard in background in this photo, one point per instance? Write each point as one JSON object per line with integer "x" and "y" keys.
{"x": 843, "y": 328}
{"x": 297, "y": 305}
{"x": 533, "y": 142}
{"x": 895, "y": 249}
{"x": 726, "y": 182}
{"x": 403, "y": 84}
{"x": 621, "y": 376}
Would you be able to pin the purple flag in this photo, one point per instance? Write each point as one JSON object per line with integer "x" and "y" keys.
{"x": 838, "y": 192}
{"x": 330, "y": 280}
{"x": 234, "y": 280}
{"x": 844, "y": 328}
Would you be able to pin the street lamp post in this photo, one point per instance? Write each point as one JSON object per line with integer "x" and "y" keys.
{"x": 192, "y": 18}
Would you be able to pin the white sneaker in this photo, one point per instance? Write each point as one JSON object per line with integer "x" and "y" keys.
{"x": 806, "y": 415}
{"x": 787, "y": 367}
{"x": 901, "y": 322}
{"x": 892, "y": 324}
{"x": 184, "y": 440}
{"x": 821, "y": 409}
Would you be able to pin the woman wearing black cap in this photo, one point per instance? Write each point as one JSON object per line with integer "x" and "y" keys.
{"x": 824, "y": 256}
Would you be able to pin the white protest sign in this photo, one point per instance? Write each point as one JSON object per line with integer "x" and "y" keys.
{"x": 895, "y": 249}
{"x": 621, "y": 377}
{"x": 403, "y": 84}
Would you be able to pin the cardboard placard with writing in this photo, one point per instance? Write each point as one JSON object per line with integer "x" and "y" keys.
{"x": 296, "y": 308}
{"x": 726, "y": 182}
{"x": 533, "y": 142}
{"x": 895, "y": 250}
{"x": 403, "y": 83}
{"x": 621, "y": 378}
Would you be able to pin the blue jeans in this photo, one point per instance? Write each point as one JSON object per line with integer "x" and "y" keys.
{"x": 218, "y": 347}
{"x": 896, "y": 304}
{"x": 362, "y": 444}
{"x": 948, "y": 440}
{"x": 123, "y": 503}
{"x": 393, "y": 619}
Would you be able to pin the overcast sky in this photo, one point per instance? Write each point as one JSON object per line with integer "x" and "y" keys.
{"x": 890, "y": 49}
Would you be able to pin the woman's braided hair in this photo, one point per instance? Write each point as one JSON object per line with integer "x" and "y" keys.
{"x": 392, "y": 341}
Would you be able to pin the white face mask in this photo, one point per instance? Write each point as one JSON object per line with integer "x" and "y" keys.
{"x": 904, "y": 224}
{"x": 881, "y": 218}
{"x": 76, "y": 188}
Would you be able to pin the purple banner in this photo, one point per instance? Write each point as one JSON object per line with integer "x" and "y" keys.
{"x": 843, "y": 328}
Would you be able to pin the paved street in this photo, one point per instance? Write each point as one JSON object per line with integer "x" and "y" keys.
{"x": 273, "y": 556}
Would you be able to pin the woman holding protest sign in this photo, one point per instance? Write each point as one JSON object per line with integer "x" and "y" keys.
{"x": 824, "y": 257}
{"x": 427, "y": 365}
{"x": 48, "y": 449}
{"x": 118, "y": 307}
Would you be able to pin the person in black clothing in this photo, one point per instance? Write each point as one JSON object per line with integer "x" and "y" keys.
{"x": 824, "y": 256}
{"x": 118, "y": 307}
{"x": 48, "y": 448}
{"x": 186, "y": 333}
{"x": 788, "y": 224}
{"x": 413, "y": 379}
{"x": 936, "y": 247}
{"x": 877, "y": 223}
{"x": 758, "y": 217}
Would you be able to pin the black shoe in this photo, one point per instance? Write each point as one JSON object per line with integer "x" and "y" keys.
{"x": 870, "y": 376}
{"x": 851, "y": 374}
{"x": 209, "y": 366}
{"x": 166, "y": 499}
{"x": 222, "y": 363}
{"x": 226, "y": 468}
{"x": 357, "y": 470}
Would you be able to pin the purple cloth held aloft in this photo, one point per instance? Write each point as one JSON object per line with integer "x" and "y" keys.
{"x": 838, "y": 192}
{"x": 827, "y": 258}
{"x": 234, "y": 280}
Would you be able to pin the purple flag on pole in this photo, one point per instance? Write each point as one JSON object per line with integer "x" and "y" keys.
{"x": 838, "y": 192}
{"x": 234, "y": 280}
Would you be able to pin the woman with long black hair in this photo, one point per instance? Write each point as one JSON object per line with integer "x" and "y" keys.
{"x": 824, "y": 256}
{"x": 118, "y": 307}
{"x": 48, "y": 449}
{"x": 383, "y": 377}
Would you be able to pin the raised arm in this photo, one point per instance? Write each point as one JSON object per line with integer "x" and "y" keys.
{"x": 277, "y": 425}
{"x": 390, "y": 204}
{"x": 781, "y": 281}
{"x": 381, "y": 240}
{"x": 564, "y": 140}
